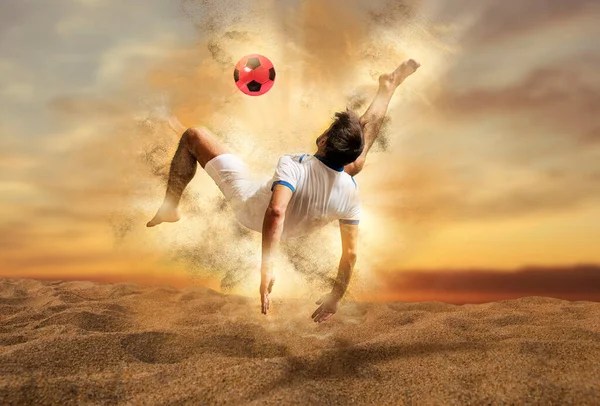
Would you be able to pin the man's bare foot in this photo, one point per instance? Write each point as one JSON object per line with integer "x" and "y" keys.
{"x": 398, "y": 76}
{"x": 166, "y": 214}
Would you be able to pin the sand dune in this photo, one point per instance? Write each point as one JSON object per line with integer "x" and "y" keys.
{"x": 84, "y": 342}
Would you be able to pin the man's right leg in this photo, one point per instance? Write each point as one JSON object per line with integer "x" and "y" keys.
{"x": 373, "y": 118}
{"x": 196, "y": 146}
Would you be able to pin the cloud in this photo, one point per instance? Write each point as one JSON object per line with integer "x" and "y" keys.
{"x": 108, "y": 163}
{"x": 86, "y": 107}
{"x": 97, "y": 135}
{"x": 571, "y": 283}
{"x": 442, "y": 189}
{"x": 560, "y": 96}
{"x": 501, "y": 19}
{"x": 12, "y": 14}
{"x": 494, "y": 153}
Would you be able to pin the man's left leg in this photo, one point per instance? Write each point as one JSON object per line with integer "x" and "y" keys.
{"x": 372, "y": 120}
{"x": 196, "y": 146}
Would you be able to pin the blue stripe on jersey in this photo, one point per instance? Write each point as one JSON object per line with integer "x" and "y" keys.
{"x": 355, "y": 185}
{"x": 349, "y": 221}
{"x": 284, "y": 183}
{"x": 302, "y": 157}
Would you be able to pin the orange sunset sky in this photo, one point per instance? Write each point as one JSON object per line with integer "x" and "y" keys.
{"x": 484, "y": 184}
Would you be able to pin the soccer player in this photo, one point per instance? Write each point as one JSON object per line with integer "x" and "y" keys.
{"x": 306, "y": 191}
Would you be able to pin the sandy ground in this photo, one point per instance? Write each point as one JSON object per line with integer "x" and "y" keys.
{"x": 84, "y": 342}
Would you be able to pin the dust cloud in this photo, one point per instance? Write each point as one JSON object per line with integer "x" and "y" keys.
{"x": 328, "y": 56}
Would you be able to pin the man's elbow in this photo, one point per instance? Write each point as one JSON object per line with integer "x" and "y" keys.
{"x": 276, "y": 212}
{"x": 355, "y": 167}
{"x": 350, "y": 256}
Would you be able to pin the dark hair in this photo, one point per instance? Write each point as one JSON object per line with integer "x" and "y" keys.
{"x": 345, "y": 140}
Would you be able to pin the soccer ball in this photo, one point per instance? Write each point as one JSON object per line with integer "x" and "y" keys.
{"x": 254, "y": 74}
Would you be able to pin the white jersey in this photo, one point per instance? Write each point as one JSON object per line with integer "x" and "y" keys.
{"x": 321, "y": 194}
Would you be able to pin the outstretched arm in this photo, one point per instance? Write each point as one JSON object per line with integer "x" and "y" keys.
{"x": 372, "y": 120}
{"x": 349, "y": 234}
{"x": 330, "y": 301}
{"x": 271, "y": 236}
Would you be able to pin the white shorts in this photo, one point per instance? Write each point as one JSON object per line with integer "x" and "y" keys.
{"x": 232, "y": 176}
{"x": 247, "y": 195}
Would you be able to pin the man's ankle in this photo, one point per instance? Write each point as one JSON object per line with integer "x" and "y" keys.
{"x": 386, "y": 82}
{"x": 387, "y": 88}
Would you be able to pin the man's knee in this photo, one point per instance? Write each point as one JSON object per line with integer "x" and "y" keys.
{"x": 194, "y": 135}
{"x": 202, "y": 144}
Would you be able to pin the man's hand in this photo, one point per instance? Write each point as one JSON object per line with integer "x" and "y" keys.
{"x": 266, "y": 286}
{"x": 329, "y": 305}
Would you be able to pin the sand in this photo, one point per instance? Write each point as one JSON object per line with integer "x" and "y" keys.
{"x": 96, "y": 343}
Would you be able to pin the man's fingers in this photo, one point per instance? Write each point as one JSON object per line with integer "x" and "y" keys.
{"x": 264, "y": 301}
{"x": 320, "y": 317}
{"x": 317, "y": 312}
{"x": 326, "y": 317}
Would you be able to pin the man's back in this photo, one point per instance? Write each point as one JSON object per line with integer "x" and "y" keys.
{"x": 321, "y": 194}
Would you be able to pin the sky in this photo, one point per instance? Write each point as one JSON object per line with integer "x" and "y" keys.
{"x": 483, "y": 185}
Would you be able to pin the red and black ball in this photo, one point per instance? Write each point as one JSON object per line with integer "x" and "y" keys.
{"x": 254, "y": 74}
